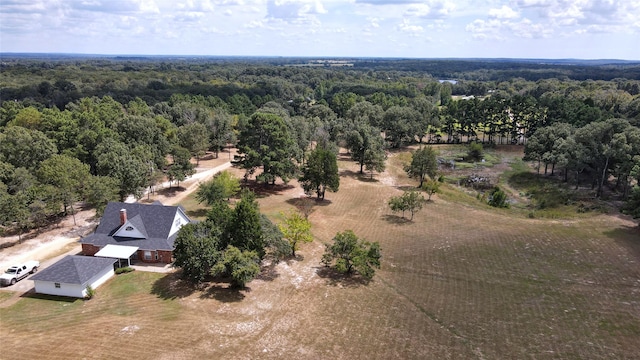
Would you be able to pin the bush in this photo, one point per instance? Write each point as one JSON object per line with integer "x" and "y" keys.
{"x": 123, "y": 270}
{"x": 90, "y": 293}
{"x": 498, "y": 198}
{"x": 475, "y": 152}
{"x": 349, "y": 254}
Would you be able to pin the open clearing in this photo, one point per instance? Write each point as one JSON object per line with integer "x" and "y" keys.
{"x": 462, "y": 281}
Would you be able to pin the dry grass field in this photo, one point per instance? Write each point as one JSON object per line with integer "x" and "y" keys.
{"x": 461, "y": 281}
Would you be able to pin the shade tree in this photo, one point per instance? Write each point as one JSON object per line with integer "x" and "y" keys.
{"x": 349, "y": 254}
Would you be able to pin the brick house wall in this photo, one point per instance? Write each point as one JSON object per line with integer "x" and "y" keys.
{"x": 89, "y": 249}
{"x": 157, "y": 256}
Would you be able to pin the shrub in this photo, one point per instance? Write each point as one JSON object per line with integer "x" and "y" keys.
{"x": 90, "y": 293}
{"x": 475, "y": 152}
{"x": 498, "y": 198}
{"x": 123, "y": 270}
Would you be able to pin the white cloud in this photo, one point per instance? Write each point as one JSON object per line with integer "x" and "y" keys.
{"x": 410, "y": 29}
{"x": 503, "y": 29}
{"x": 504, "y": 12}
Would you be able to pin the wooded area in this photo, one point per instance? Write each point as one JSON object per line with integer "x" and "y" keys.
{"x": 99, "y": 129}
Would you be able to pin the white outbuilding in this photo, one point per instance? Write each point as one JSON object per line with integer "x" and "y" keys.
{"x": 73, "y": 274}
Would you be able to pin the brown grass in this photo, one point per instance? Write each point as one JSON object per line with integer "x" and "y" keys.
{"x": 462, "y": 281}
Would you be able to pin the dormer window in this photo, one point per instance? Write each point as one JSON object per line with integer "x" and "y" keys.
{"x": 129, "y": 228}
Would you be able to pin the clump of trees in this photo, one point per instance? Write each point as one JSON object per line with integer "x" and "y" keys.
{"x": 349, "y": 254}
{"x": 230, "y": 243}
{"x": 411, "y": 201}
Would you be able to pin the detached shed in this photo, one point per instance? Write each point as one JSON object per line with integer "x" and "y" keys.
{"x": 71, "y": 275}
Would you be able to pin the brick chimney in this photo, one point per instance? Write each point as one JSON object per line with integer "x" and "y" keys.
{"x": 123, "y": 216}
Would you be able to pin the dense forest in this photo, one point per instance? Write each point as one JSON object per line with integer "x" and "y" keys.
{"x": 95, "y": 129}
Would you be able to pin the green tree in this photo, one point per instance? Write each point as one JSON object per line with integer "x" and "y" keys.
{"x": 431, "y": 187}
{"x": 365, "y": 145}
{"x": 26, "y": 148}
{"x": 296, "y": 229}
{"x": 182, "y": 166}
{"x": 320, "y": 173}
{"x": 99, "y": 190}
{"x": 195, "y": 138}
{"x": 221, "y": 187}
{"x": 241, "y": 266}
{"x": 411, "y": 201}
{"x": 116, "y": 160}
{"x": 266, "y": 141}
{"x": 245, "y": 229}
{"x": 67, "y": 175}
{"x": 275, "y": 244}
{"x": 423, "y": 163}
{"x": 401, "y": 125}
{"x": 349, "y": 254}
{"x": 498, "y": 198}
{"x": 475, "y": 151}
{"x": 196, "y": 250}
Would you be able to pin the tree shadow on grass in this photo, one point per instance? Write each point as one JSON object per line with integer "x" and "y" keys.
{"x": 198, "y": 213}
{"x": 268, "y": 273}
{"x": 627, "y": 236}
{"x": 171, "y": 287}
{"x": 263, "y": 190}
{"x": 364, "y": 177}
{"x": 408, "y": 188}
{"x": 334, "y": 278}
{"x": 171, "y": 191}
{"x": 224, "y": 292}
{"x": 398, "y": 220}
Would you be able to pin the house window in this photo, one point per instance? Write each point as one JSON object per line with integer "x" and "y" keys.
{"x": 147, "y": 255}
{"x": 57, "y": 285}
{"x": 156, "y": 255}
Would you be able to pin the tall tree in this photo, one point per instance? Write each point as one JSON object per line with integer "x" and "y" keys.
{"x": 320, "y": 173}
{"x": 67, "y": 175}
{"x": 267, "y": 142}
{"x": 195, "y": 138}
{"x": 26, "y": 148}
{"x": 296, "y": 229}
{"x": 196, "y": 250}
{"x": 245, "y": 229}
{"x": 364, "y": 143}
{"x": 423, "y": 163}
{"x": 182, "y": 166}
{"x": 116, "y": 160}
{"x": 401, "y": 125}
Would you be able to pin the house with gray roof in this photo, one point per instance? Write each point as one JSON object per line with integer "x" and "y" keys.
{"x": 152, "y": 228}
{"x": 73, "y": 274}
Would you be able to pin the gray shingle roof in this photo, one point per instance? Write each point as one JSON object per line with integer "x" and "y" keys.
{"x": 153, "y": 220}
{"x": 74, "y": 269}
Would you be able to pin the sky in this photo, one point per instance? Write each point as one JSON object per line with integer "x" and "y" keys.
{"x": 550, "y": 29}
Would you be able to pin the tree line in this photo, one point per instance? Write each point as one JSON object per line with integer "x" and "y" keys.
{"x": 144, "y": 121}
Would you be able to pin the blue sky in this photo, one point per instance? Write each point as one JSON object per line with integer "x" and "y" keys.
{"x": 585, "y": 29}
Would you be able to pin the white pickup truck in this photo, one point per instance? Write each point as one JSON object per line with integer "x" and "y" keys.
{"x": 18, "y": 272}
